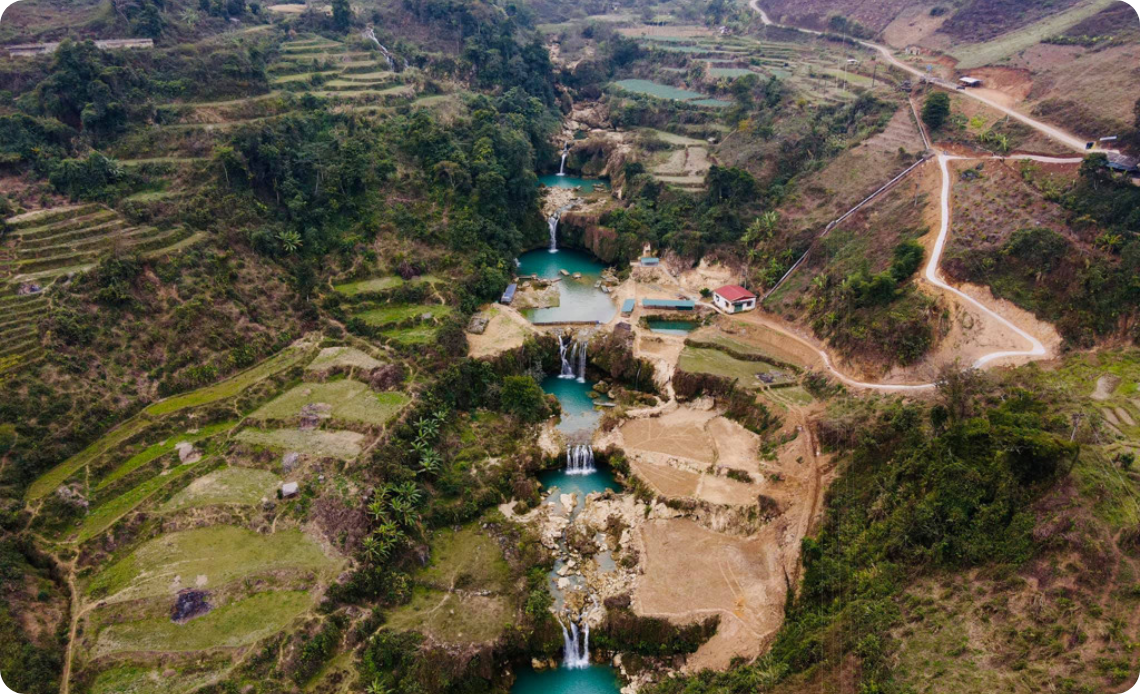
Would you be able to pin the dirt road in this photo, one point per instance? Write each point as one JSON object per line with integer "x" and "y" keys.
{"x": 1065, "y": 138}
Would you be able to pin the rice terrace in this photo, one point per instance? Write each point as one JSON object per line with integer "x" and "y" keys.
{"x": 538, "y": 347}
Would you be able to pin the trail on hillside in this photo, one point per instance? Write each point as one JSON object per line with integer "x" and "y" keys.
{"x": 932, "y": 275}
{"x": 1062, "y": 136}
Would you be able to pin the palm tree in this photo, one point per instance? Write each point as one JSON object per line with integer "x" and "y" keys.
{"x": 430, "y": 462}
{"x": 290, "y": 240}
{"x": 377, "y": 688}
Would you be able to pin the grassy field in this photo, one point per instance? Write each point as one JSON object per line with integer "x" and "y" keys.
{"x": 223, "y": 554}
{"x": 229, "y": 387}
{"x": 420, "y": 335}
{"x": 453, "y": 618}
{"x": 162, "y": 448}
{"x": 465, "y": 558}
{"x": 386, "y": 315}
{"x": 132, "y": 679}
{"x": 978, "y": 54}
{"x": 48, "y": 482}
{"x": 349, "y": 400}
{"x": 376, "y": 284}
{"x": 229, "y": 485}
{"x": 333, "y": 357}
{"x": 345, "y": 445}
{"x": 468, "y": 561}
{"x": 711, "y": 361}
{"x": 105, "y": 515}
{"x": 229, "y": 626}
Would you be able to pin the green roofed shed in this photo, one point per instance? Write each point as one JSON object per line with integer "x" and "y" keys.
{"x": 668, "y": 304}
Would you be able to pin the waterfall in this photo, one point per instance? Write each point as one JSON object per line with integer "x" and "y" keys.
{"x": 370, "y": 34}
{"x": 563, "y": 347}
{"x": 580, "y": 460}
{"x": 582, "y": 363}
{"x": 565, "y": 153}
{"x": 575, "y": 645}
{"x": 552, "y": 223}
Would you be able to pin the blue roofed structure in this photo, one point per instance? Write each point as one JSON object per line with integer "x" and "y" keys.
{"x": 627, "y": 307}
{"x": 509, "y": 295}
{"x": 668, "y": 304}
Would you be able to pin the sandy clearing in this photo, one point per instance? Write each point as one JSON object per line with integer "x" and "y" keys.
{"x": 506, "y": 330}
{"x": 1105, "y": 385}
{"x": 680, "y": 433}
{"x": 740, "y": 579}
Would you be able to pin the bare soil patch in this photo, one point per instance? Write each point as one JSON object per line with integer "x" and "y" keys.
{"x": 506, "y": 330}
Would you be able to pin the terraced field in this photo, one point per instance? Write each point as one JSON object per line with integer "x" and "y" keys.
{"x": 43, "y": 245}
{"x": 59, "y": 241}
{"x": 343, "y": 400}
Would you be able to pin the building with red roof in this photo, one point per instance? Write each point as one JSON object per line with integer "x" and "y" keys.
{"x": 732, "y": 298}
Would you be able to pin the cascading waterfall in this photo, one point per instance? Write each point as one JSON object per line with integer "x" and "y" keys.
{"x": 553, "y": 224}
{"x": 580, "y": 460}
{"x": 582, "y": 363}
{"x": 575, "y": 645}
{"x": 563, "y": 349}
{"x": 370, "y": 34}
{"x": 565, "y": 153}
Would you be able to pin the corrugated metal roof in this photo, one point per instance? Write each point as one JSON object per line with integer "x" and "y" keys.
{"x": 650, "y": 261}
{"x": 628, "y": 305}
{"x": 734, "y": 292}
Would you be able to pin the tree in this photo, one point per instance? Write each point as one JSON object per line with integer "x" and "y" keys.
{"x": 342, "y": 14}
{"x": 523, "y": 398}
{"x": 936, "y": 109}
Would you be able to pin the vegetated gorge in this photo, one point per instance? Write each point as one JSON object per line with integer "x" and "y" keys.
{"x": 460, "y": 346}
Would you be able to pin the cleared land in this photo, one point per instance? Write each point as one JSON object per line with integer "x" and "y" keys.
{"x": 386, "y": 315}
{"x": 344, "y": 400}
{"x": 336, "y": 357}
{"x": 229, "y": 626}
{"x": 222, "y": 554}
{"x": 231, "y": 386}
{"x": 107, "y": 514}
{"x": 230, "y": 485}
{"x": 345, "y": 445}
{"x": 718, "y": 363}
{"x": 160, "y": 449}
{"x": 458, "y": 597}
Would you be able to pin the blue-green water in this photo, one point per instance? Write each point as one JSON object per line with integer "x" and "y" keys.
{"x": 671, "y": 327}
{"x": 595, "y": 679}
{"x": 586, "y": 184}
{"x": 578, "y": 413}
{"x": 579, "y": 300}
{"x": 582, "y": 485}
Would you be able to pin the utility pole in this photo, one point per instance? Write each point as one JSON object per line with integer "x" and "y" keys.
{"x": 875, "y": 73}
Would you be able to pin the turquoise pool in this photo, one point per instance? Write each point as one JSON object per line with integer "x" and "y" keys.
{"x": 586, "y": 184}
{"x": 579, "y": 300}
{"x": 596, "y": 679}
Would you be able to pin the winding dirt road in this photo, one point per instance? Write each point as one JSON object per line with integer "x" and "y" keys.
{"x": 932, "y": 274}
{"x": 1062, "y": 136}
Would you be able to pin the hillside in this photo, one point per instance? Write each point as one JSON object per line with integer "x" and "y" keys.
{"x": 470, "y": 346}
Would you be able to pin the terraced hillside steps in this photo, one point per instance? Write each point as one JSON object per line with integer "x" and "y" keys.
{"x": 60, "y": 241}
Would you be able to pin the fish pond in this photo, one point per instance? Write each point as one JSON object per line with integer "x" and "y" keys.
{"x": 667, "y": 326}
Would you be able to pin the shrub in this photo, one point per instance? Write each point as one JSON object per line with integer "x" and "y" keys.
{"x": 936, "y": 109}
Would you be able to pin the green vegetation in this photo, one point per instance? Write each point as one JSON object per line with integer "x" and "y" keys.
{"x": 345, "y": 400}
{"x": 160, "y": 449}
{"x": 345, "y": 445}
{"x": 380, "y": 317}
{"x": 51, "y": 480}
{"x": 236, "y": 624}
{"x": 229, "y": 485}
{"x": 718, "y": 363}
{"x": 936, "y": 109}
{"x": 106, "y": 514}
{"x": 224, "y": 554}
{"x": 924, "y": 488}
{"x": 229, "y": 387}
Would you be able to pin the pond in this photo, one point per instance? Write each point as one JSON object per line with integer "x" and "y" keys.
{"x": 582, "y": 485}
{"x": 579, "y": 299}
{"x": 586, "y": 184}
{"x": 666, "y": 326}
{"x": 579, "y": 416}
{"x": 596, "y": 679}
